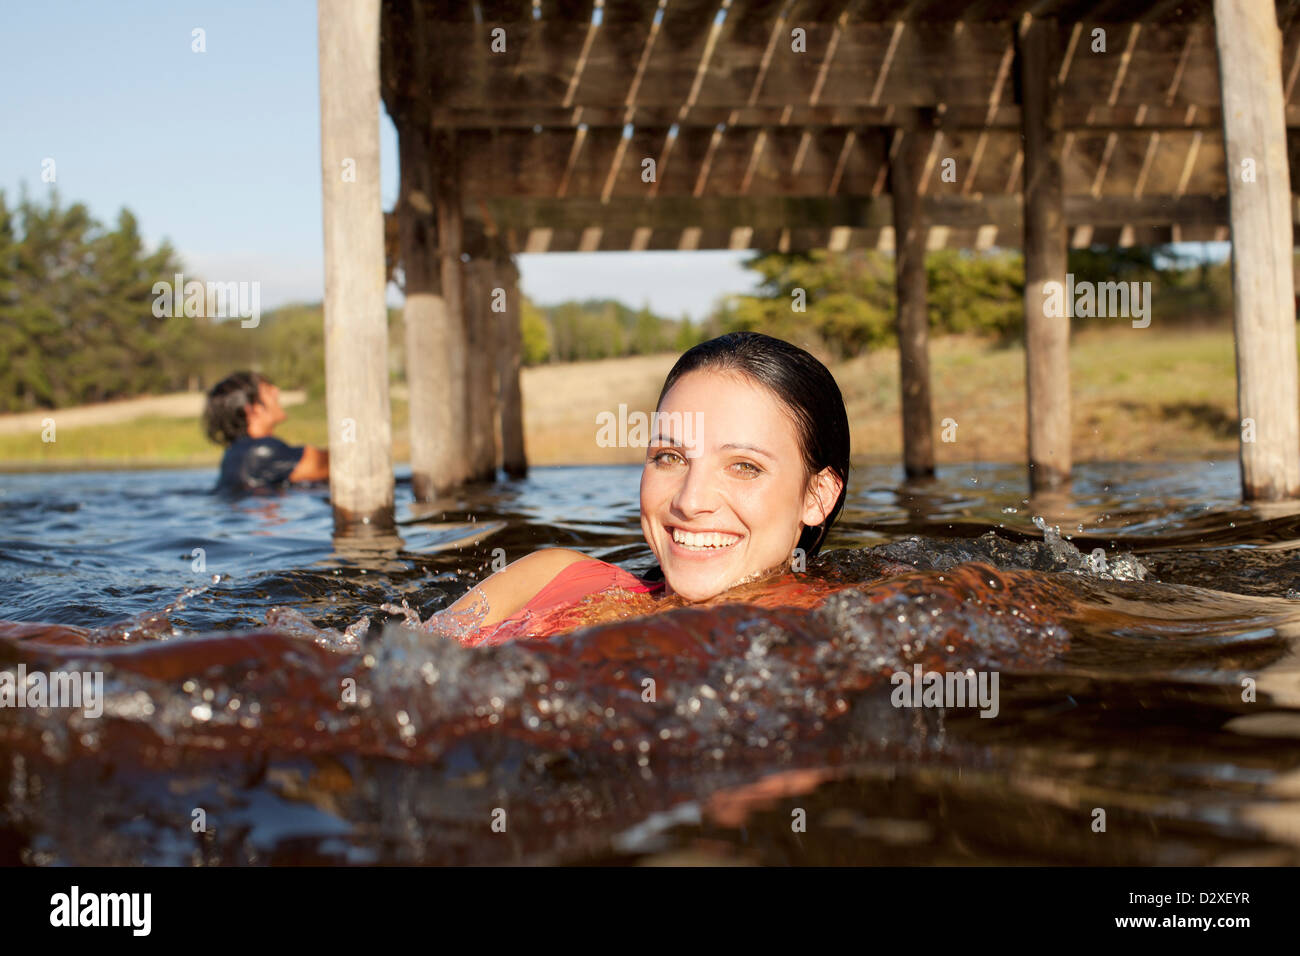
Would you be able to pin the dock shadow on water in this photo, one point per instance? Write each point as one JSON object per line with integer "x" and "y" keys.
{"x": 1133, "y": 675}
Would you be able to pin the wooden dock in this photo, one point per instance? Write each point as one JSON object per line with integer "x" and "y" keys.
{"x": 555, "y": 125}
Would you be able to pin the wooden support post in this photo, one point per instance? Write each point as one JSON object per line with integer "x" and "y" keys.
{"x": 510, "y": 360}
{"x": 913, "y": 319}
{"x": 428, "y": 373}
{"x": 453, "y": 458}
{"x": 1047, "y": 336}
{"x": 356, "y": 316}
{"x": 480, "y": 335}
{"x": 1263, "y": 284}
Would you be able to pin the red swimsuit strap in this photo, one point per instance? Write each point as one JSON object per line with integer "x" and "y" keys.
{"x": 557, "y": 606}
{"x": 581, "y": 578}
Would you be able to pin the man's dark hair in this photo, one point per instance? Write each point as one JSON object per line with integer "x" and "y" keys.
{"x": 224, "y": 418}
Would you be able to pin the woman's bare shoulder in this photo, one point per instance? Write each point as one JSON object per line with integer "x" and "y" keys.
{"x": 547, "y": 560}
{"x": 517, "y": 583}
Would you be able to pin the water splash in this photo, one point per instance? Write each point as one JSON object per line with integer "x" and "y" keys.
{"x": 389, "y": 744}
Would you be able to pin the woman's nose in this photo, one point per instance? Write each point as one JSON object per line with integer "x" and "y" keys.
{"x": 696, "y": 493}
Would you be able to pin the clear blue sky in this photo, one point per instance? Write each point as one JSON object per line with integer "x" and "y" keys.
{"x": 219, "y": 152}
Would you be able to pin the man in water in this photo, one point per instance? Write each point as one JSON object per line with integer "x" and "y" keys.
{"x": 242, "y": 411}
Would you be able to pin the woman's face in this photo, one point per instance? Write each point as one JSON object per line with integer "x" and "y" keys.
{"x": 724, "y": 494}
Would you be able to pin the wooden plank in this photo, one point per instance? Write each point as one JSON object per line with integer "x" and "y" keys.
{"x": 504, "y": 11}
{"x": 1263, "y": 279}
{"x": 1165, "y": 12}
{"x": 670, "y": 74}
{"x": 922, "y": 64}
{"x": 543, "y": 73}
{"x": 932, "y": 63}
{"x": 1047, "y": 335}
{"x": 356, "y": 317}
{"x": 566, "y": 56}
{"x": 693, "y": 150}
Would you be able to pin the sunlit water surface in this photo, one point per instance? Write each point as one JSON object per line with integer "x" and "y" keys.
{"x": 266, "y": 703}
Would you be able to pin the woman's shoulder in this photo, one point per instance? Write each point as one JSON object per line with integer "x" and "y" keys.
{"x": 569, "y": 579}
{"x": 519, "y": 582}
{"x": 558, "y": 573}
{"x": 540, "y": 567}
{"x": 543, "y": 580}
{"x": 586, "y": 574}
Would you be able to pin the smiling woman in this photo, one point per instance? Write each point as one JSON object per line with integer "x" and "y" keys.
{"x": 758, "y": 479}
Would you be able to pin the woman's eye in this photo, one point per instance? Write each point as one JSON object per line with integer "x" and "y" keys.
{"x": 748, "y": 469}
{"x": 666, "y": 458}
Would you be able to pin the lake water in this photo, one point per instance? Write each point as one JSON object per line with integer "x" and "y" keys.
{"x": 261, "y": 706}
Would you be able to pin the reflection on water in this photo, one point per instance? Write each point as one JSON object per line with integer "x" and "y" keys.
{"x": 1143, "y": 631}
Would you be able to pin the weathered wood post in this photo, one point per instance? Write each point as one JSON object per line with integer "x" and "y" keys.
{"x": 1047, "y": 335}
{"x": 424, "y": 316}
{"x": 1263, "y": 284}
{"x": 453, "y": 462}
{"x": 913, "y": 317}
{"x": 480, "y": 337}
{"x": 510, "y": 359}
{"x": 356, "y": 318}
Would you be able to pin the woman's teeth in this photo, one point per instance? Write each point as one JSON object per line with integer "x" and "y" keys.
{"x": 713, "y": 539}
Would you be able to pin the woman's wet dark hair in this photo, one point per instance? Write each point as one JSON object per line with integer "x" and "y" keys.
{"x": 803, "y": 385}
{"x": 224, "y": 418}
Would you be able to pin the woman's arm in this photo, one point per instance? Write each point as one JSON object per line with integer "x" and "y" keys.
{"x": 516, "y": 584}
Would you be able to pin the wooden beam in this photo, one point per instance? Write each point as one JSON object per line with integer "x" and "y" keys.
{"x": 912, "y": 316}
{"x": 998, "y": 116}
{"x": 356, "y": 317}
{"x": 1263, "y": 282}
{"x": 825, "y": 212}
{"x": 841, "y": 238}
{"x": 602, "y": 162}
{"x": 1047, "y": 336}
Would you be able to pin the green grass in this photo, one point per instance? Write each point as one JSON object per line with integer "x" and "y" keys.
{"x": 1136, "y": 394}
{"x": 160, "y": 441}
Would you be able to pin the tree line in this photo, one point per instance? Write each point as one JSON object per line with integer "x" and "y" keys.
{"x": 596, "y": 329}
{"x": 78, "y": 322}
{"x": 845, "y": 302}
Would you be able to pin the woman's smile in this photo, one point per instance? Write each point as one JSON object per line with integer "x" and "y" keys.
{"x": 702, "y": 545}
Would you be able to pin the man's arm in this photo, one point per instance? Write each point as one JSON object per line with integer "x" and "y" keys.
{"x": 314, "y": 465}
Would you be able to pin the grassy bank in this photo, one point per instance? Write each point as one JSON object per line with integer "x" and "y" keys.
{"x": 152, "y": 441}
{"x": 1136, "y": 394}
